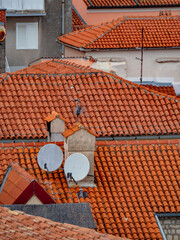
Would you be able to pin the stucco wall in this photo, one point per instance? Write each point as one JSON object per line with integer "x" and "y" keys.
{"x": 70, "y": 52}
{"x": 171, "y": 228}
{"x": 152, "y": 70}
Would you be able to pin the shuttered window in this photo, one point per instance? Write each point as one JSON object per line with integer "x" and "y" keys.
{"x": 26, "y": 35}
{"x": 22, "y": 4}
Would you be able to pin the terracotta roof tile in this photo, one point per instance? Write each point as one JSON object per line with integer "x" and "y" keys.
{"x": 26, "y": 226}
{"x": 55, "y": 66}
{"x": 169, "y": 90}
{"x": 112, "y": 106}
{"x": 77, "y": 21}
{"x": 129, "y": 3}
{"x": 134, "y": 179}
{"x": 18, "y": 183}
{"x": 53, "y": 116}
{"x": 125, "y": 33}
{"x": 78, "y": 126}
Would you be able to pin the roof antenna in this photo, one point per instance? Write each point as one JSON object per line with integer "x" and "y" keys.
{"x": 141, "y": 59}
{"x": 78, "y": 109}
{"x": 142, "y": 46}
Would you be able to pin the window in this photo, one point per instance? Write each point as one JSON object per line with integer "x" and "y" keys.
{"x": 22, "y": 4}
{"x": 26, "y": 35}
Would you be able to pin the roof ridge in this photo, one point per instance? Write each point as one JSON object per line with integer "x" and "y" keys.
{"x": 88, "y": 28}
{"x": 28, "y": 144}
{"x": 108, "y": 30}
{"x": 139, "y": 142}
{"x": 143, "y": 87}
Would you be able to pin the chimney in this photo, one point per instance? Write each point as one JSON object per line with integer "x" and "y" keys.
{"x": 55, "y": 127}
{"x": 2, "y": 39}
{"x": 80, "y": 140}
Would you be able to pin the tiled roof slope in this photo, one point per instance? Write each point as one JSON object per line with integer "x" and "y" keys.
{"x": 77, "y": 21}
{"x": 18, "y": 183}
{"x": 111, "y": 105}
{"x": 19, "y": 225}
{"x": 169, "y": 90}
{"x": 126, "y": 33}
{"x": 134, "y": 179}
{"x": 55, "y": 66}
{"x": 130, "y": 3}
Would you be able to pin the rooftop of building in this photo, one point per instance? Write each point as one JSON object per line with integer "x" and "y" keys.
{"x": 126, "y": 33}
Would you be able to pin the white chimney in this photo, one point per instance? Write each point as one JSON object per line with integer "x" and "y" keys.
{"x": 55, "y": 127}
{"x": 81, "y": 140}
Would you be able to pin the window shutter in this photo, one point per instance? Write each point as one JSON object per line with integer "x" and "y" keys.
{"x": 21, "y": 36}
{"x": 33, "y": 4}
{"x": 32, "y": 39}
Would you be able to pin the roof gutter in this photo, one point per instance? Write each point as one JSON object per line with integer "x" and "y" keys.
{"x": 111, "y": 49}
{"x": 23, "y": 140}
{"x": 131, "y": 6}
{"x": 138, "y": 137}
{"x": 160, "y": 227}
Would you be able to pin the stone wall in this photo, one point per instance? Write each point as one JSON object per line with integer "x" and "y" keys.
{"x": 171, "y": 227}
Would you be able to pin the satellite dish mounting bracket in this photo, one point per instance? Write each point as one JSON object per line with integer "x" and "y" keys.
{"x": 69, "y": 175}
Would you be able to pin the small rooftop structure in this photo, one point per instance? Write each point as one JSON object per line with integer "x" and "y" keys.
{"x": 19, "y": 187}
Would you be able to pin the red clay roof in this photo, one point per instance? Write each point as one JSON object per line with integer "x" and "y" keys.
{"x": 169, "y": 90}
{"x": 15, "y": 182}
{"x": 130, "y": 3}
{"x": 55, "y": 66}
{"x": 19, "y": 186}
{"x": 126, "y": 33}
{"x": 134, "y": 179}
{"x": 78, "y": 126}
{"x": 19, "y": 225}
{"x": 53, "y": 116}
{"x": 113, "y": 106}
{"x": 77, "y": 21}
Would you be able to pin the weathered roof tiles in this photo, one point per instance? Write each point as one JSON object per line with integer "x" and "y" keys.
{"x": 130, "y": 3}
{"x": 19, "y": 225}
{"x": 134, "y": 180}
{"x": 126, "y": 33}
{"x": 112, "y": 105}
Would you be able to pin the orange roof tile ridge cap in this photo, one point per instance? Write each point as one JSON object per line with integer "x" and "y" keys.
{"x": 138, "y": 142}
{"x": 21, "y": 71}
{"x": 22, "y": 173}
{"x": 5, "y": 178}
{"x": 143, "y": 87}
{"x": 63, "y": 62}
{"x": 85, "y": 30}
{"x": 151, "y": 17}
{"x": 111, "y": 28}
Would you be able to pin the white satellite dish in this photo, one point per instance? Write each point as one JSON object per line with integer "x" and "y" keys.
{"x": 78, "y": 165}
{"x": 50, "y": 157}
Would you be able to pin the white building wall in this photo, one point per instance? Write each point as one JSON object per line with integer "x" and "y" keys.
{"x": 159, "y": 65}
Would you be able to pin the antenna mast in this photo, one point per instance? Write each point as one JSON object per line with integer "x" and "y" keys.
{"x": 78, "y": 108}
{"x": 142, "y": 46}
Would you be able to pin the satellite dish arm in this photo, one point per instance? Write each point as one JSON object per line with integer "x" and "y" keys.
{"x": 69, "y": 175}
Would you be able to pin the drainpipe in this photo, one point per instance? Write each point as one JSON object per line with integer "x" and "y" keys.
{"x": 62, "y": 49}
{"x": 160, "y": 228}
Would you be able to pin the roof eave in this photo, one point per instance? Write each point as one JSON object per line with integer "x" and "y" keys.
{"x": 67, "y": 45}
{"x": 136, "y": 6}
{"x": 113, "y": 49}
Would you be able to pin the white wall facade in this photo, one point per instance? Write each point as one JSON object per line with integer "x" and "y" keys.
{"x": 159, "y": 65}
